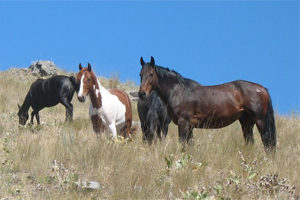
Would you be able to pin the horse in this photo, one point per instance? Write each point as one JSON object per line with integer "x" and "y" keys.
{"x": 110, "y": 110}
{"x": 47, "y": 93}
{"x": 154, "y": 117}
{"x": 191, "y": 105}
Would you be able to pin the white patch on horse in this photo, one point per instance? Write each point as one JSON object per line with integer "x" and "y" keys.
{"x": 80, "y": 93}
{"x": 258, "y": 90}
{"x": 112, "y": 112}
{"x": 97, "y": 91}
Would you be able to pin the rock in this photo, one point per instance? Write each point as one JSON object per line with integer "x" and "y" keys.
{"x": 43, "y": 68}
{"x": 88, "y": 185}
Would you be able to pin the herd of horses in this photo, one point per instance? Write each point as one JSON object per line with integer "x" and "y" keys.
{"x": 164, "y": 96}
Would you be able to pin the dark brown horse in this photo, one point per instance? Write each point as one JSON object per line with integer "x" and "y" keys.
{"x": 192, "y": 105}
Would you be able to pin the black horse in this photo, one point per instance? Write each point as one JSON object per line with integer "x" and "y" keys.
{"x": 154, "y": 117}
{"x": 46, "y": 93}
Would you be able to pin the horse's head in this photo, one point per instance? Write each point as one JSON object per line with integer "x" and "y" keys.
{"x": 23, "y": 116}
{"x": 86, "y": 80}
{"x": 149, "y": 78}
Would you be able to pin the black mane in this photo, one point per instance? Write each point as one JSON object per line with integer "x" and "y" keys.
{"x": 171, "y": 74}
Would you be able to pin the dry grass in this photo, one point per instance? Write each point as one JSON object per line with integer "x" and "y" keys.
{"x": 211, "y": 169}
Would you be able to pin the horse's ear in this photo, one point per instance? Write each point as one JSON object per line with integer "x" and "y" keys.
{"x": 80, "y": 67}
{"x": 89, "y": 67}
{"x": 19, "y": 106}
{"x": 152, "y": 61}
{"x": 142, "y": 61}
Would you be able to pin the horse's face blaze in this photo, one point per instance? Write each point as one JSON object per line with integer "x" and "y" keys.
{"x": 148, "y": 80}
{"x": 84, "y": 78}
{"x": 23, "y": 117}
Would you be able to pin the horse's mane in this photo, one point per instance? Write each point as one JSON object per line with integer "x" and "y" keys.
{"x": 171, "y": 74}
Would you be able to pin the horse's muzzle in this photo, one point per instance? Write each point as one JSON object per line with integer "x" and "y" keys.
{"x": 22, "y": 122}
{"x": 81, "y": 98}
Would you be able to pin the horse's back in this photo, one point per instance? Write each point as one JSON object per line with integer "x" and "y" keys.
{"x": 59, "y": 85}
{"x": 122, "y": 96}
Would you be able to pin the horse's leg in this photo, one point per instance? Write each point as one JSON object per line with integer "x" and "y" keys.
{"x": 165, "y": 128}
{"x": 265, "y": 137}
{"x": 158, "y": 130}
{"x": 150, "y": 131}
{"x": 127, "y": 130}
{"x": 37, "y": 116}
{"x": 190, "y": 136}
{"x": 32, "y": 115}
{"x": 97, "y": 123}
{"x": 113, "y": 130}
{"x": 183, "y": 130}
{"x": 69, "y": 109}
{"x": 144, "y": 129}
{"x": 149, "y": 136}
{"x": 247, "y": 126}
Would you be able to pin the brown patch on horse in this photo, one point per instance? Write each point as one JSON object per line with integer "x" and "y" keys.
{"x": 124, "y": 98}
{"x": 96, "y": 100}
{"x": 97, "y": 124}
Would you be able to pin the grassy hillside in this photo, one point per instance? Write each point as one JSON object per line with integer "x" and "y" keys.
{"x": 43, "y": 162}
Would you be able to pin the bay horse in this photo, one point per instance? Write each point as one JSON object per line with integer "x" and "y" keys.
{"x": 110, "y": 110}
{"x": 46, "y": 93}
{"x": 154, "y": 117}
{"x": 191, "y": 105}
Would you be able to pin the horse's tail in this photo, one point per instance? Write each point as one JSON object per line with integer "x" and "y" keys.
{"x": 269, "y": 127}
{"x": 74, "y": 83}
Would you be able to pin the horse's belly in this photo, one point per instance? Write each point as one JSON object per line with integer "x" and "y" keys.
{"x": 215, "y": 121}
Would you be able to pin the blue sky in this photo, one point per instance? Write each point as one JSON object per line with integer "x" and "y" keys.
{"x": 211, "y": 42}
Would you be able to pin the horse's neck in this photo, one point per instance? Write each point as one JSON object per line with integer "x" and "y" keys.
{"x": 165, "y": 88}
{"x": 97, "y": 95}
{"x": 27, "y": 102}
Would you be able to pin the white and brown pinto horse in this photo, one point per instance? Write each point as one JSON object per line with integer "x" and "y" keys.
{"x": 110, "y": 110}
